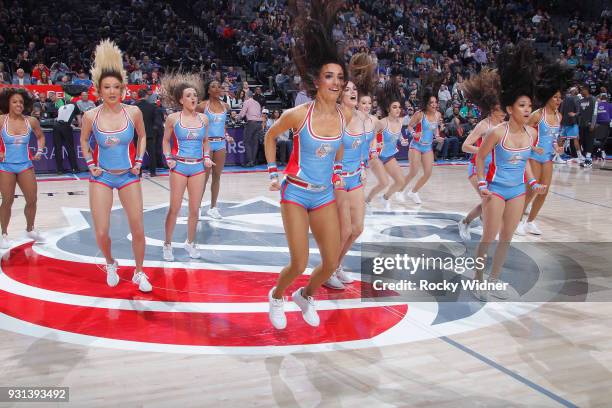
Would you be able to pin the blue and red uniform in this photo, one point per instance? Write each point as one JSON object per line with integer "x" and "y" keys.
{"x": 114, "y": 153}
{"x": 353, "y": 159}
{"x": 216, "y": 129}
{"x": 311, "y": 165}
{"x": 389, "y": 148}
{"x": 17, "y": 158}
{"x": 427, "y": 129}
{"x": 188, "y": 148}
{"x": 506, "y": 175}
{"x": 472, "y": 163}
{"x": 547, "y": 137}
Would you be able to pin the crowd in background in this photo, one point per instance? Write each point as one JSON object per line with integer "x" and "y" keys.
{"x": 235, "y": 39}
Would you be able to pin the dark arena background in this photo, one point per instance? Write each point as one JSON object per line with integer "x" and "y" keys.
{"x": 179, "y": 229}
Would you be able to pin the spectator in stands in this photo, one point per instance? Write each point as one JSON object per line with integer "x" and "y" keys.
{"x": 82, "y": 79}
{"x": 251, "y": 109}
{"x": 236, "y": 103}
{"x": 259, "y": 96}
{"x": 50, "y": 108}
{"x": 225, "y": 94}
{"x": 64, "y": 81}
{"x": 284, "y": 144}
{"x": 84, "y": 104}
{"x": 38, "y": 71}
{"x": 44, "y": 79}
{"x": 444, "y": 97}
{"x": 21, "y": 78}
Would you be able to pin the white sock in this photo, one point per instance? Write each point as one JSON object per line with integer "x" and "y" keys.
{"x": 588, "y": 155}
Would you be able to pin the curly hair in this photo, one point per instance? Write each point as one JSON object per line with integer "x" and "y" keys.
{"x": 362, "y": 71}
{"x": 387, "y": 94}
{"x": 8, "y": 93}
{"x": 553, "y": 77}
{"x": 173, "y": 85}
{"x": 483, "y": 90}
{"x": 430, "y": 87}
{"x": 107, "y": 63}
{"x": 517, "y": 73}
{"x": 314, "y": 44}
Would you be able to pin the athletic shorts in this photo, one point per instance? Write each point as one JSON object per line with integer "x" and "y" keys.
{"x": 188, "y": 169}
{"x": 420, "y": 147}
{"x": 386, "y": 159}
{"x": 570, "y": 132}
{"x": 117, "y": 181}
{"x": 507, "y": 193}
{"x": 542, "y": 158}
{"x": 216, "y": 145}
{"x": 15, "y": 168}
{"x": 311, "y": 200}
{"x": 352, "y": 182}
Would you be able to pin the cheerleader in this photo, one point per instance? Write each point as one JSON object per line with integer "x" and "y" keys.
{"x": 16, "y": 161}
{"x": 483, "y": 90}
{"x": 503, "y": 186}
{"x": 350, "y": 199}
{"x": 187, "y": 158}
{"x": 315, "y": 167}
{"x": 216, "y": 111}
{"x": 552, "y": 82}
{"x": 427, "y": 122}
{"x": 114, "y": 164}
{"x": 389, "y": 101}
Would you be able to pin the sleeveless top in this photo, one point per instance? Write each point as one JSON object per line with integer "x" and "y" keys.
{"x": 312, "y": 158}
{"x": 188, "y": 142}
{"x": 508, "y": 164}
{"x": 115, "y": 149}
{"x": 15, "y": 147}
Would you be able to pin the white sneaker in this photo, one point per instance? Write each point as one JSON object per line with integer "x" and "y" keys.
{"x": 36, "y": 236}
{"x": 142, "y": 281}
{"x": 481, "y": 295}
{"x": 464, "y": 230}
{"x": 167, "y": 253}
{"x": 214, "y": 213}
{"x": 5, "y": 243}
{"x": 309, "y": 311}
{"x": 520, "y": 229}
{"x": 558, "y": 159}
{"x": 532, "y": 228}
{"x": 399, "y": 197}
{"x": 277, "y": 311}
{"x": 191, "y": 249}
{"x": 415, "y": 197}
{"x": 112, "y": 279}
{"x": 333, "y": 282}
{"x": 499, "y": 293}
{"x": 388, "y": 207}
{"x": 344, "y": 277}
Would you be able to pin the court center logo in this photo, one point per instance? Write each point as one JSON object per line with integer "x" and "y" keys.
{"x": 217, "y": 304}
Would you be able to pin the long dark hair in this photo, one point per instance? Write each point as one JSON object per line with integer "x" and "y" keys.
{"x": 387, "y": 94}
{"x": 553, "y": 77}
{"x": 517, "y": 73}
{"x": 314, "y": 44}
{"x": 430, "y": 87}
{"x": 483, "y": 90}
{"x": 362, "y": 71}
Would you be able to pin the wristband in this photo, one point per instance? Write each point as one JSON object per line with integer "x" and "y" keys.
{"x": 206, "y": 155}
{"x": 336, "y": 178}
{"x": 482, "y": 184}
{"x": 90, "y": 162}
{"x": 39, "y": 150}
{"x": 532, "y": 182}
{"x": 337, "y": 168}
{"x": 373, "y": 150}
{"x": 138, "y": 160}
{"x": 272, "y": 171}
{"x": 168, "y": 156}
